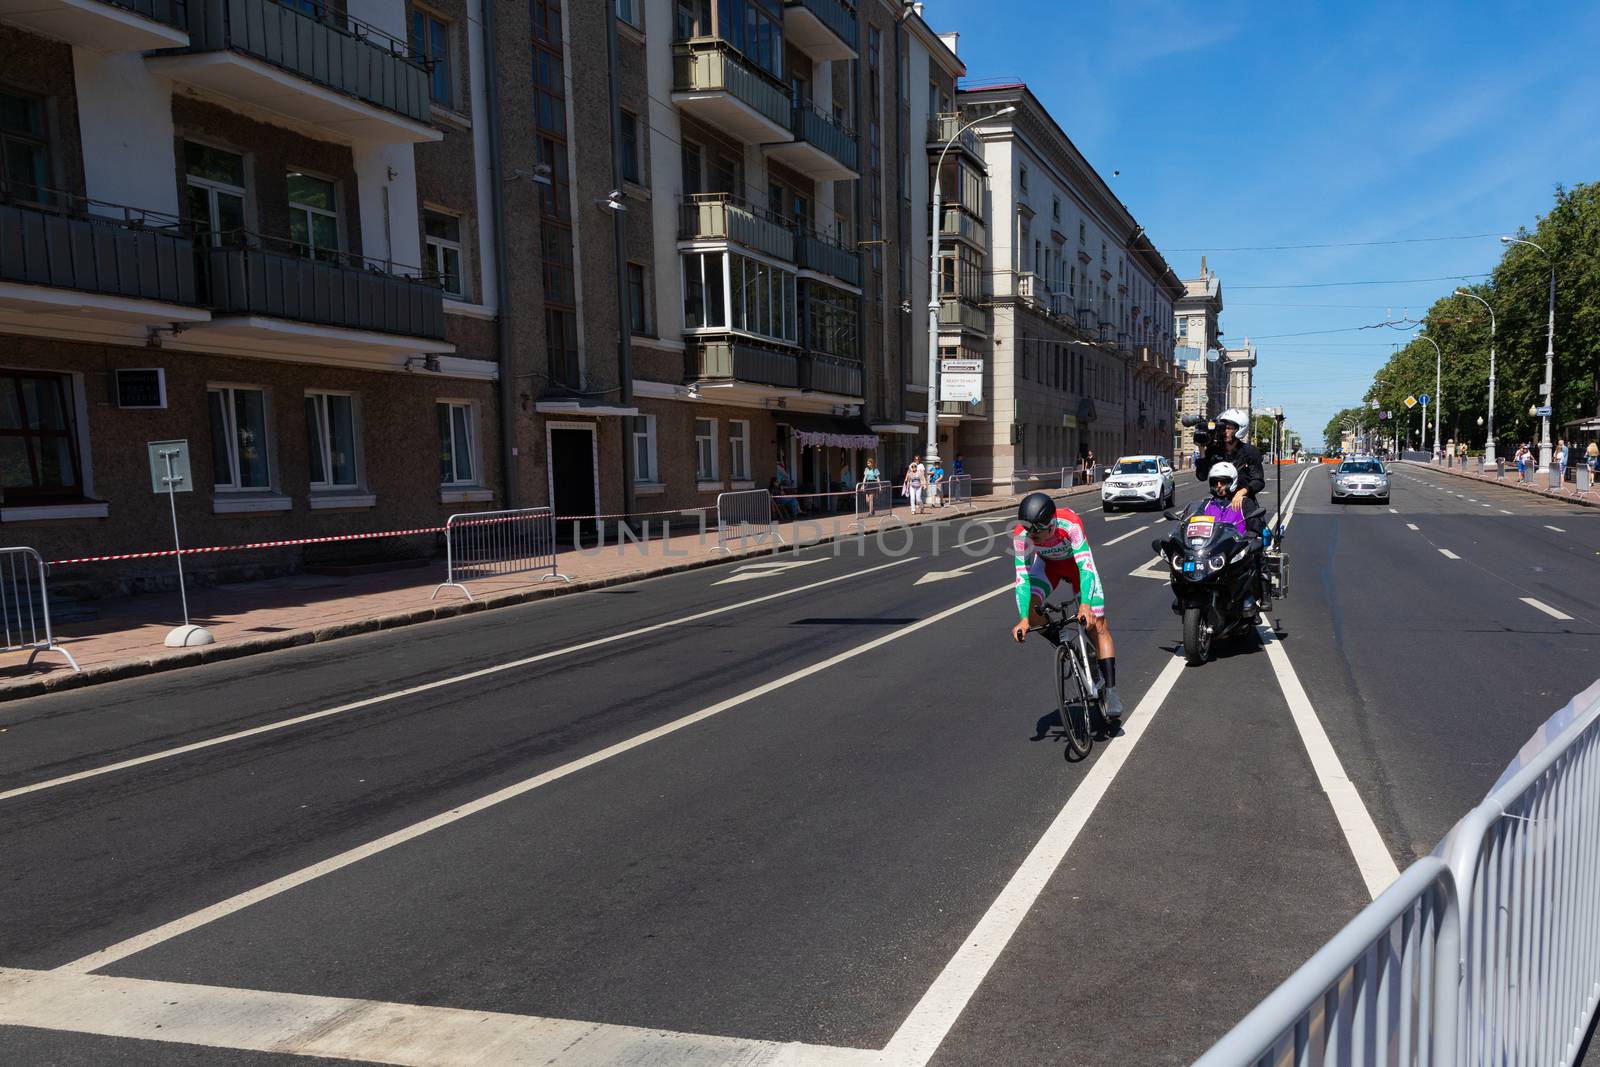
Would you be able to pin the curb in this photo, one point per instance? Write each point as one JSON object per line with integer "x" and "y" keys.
{"x": 1543, "y": 494}
{"x": 134, "y": 668}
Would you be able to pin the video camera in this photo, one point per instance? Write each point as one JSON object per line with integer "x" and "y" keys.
{"x": 1202, "y": 435}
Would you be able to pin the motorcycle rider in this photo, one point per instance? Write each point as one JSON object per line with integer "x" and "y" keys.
{"x": 1224, "y": 482}
{"x": 1228, "y": 445}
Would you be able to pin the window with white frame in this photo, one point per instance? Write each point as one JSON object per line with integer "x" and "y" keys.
{"x": 739, "y": 449}
{"x": 724, "y": 290}
{"x": 631, "y": 12}
{"x": 458, "y": 443}
{"x": 644, "y": 448}
{"x": 442, "y": 234}
{"x": 313, "y": 216}
{"x": 331, "y": 441}
{"x": 239, "y": 440}
{"x": 705, "y": 449}
{"x": 214, "y": 193}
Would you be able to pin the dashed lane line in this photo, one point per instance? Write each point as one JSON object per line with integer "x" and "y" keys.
{"x": 1411, "y": 526}
{"x": 1557, "y": 529}
{"x": 1503, "y": 511}
{"x": 1546, "y": 608}
{"x": 1447, "y": 554}
{"x": 1130, "y": 533}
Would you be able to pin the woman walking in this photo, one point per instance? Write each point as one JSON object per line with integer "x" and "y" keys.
{"x": 916, "y": 474}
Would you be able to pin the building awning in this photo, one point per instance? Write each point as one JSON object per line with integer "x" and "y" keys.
{"x": 577, "y": 406}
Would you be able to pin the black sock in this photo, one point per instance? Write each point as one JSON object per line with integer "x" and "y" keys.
{"x": 1108, "y": 672}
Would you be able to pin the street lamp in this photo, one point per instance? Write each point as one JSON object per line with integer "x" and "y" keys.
{"x": 1549, "y": 352}
{"x": 932, "y": 452}
{"x": 1488, "y": 439}
{"x": 1438, "y": 363}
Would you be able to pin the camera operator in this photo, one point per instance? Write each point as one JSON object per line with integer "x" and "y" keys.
{"x": 1227, "y": 445}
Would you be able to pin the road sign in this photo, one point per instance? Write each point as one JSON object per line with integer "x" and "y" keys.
{"x": 1423, "y": 399}
{"x": 1374, "y": 405}
{"x": 1543, "y": 412}
{"x": 1410, "y": 402}
{"x": 179, "y": 451}
{"x": 961, "y": 379}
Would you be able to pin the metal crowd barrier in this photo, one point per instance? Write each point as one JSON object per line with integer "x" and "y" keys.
{"x": 493, "y": 544}
{"x": 872, "y": 500}
{"x": 1485, "y": 953}
{"x": 959, "y": 491}
{"x": 25, "y": 605}
{"x": 746, "y": 515}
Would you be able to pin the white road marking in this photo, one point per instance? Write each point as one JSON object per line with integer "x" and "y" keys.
{"x": 283, "y": 724}
{"x": 765, "y": 569}
{"x": 1130, "y": 533}
{"x": 1372, "y": 857}
{"x": 338, "y": 1028}
{"x": 1411, "y": 526}
{"x": 919, "y": 1037}
{"x": 1119, "y": 518}
{"x": 1447, "y": 554}
{"x": 1394, "y": 511}
{"x": 1557, "y": 529}
{"x": 182, "y": 925}
{"x": 1503, "y": 511}
{"x": 939, "y": 576}
{"x": 1472, "y": 500}
{"x": 1150, "y": 569}
{"x": 1547, "y": 609}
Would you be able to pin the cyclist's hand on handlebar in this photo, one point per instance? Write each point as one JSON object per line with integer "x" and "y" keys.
{"x": 1019, "y": 632}
{"x": 1085, "y": 616}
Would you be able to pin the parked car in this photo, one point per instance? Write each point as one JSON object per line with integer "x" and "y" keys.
{"x": 1136, "y": 480}
{"x": 1360, "y": 478}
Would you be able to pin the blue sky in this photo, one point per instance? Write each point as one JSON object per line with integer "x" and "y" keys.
{"x": 1272, "y": 124}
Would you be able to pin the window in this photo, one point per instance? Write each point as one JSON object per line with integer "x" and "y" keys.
{"x": 705, "y": 447}
{"x": 631, "y": 12}
{"x": 1083, "y": 233}
{"x": 38, "y": 441}
{"x": 693, "y": 16}
{"x": 630, "y": 147}
{"x": 24, "y": 152}
{"x": 832, "y": 325}
{"x": 638, "y": 300}
{"x": 239, "y": 438}
{"x": 442, "y": 236}
{"x": 430, "y": 42}
{"x": 739, "y": 450}
{"x": 331, "y": 440}
{"x": 1022, "y": 178}
{"x": 1055, "y": 209}
{"x": 644, "y": 448}
{"x": 457, "y": 443}
{"x": 313, "y": 217}
{"x": 214, "y": 190}
{"x": 758, "y": 298}
{"x": 1183, "y": 327}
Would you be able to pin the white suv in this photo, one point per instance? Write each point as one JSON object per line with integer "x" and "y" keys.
{"x": 1138, "y": 480}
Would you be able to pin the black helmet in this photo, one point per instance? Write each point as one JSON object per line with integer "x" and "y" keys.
{"x": 1037, "y": 511}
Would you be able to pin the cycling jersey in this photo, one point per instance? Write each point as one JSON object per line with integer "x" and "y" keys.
{"x": 1060, "y": 554}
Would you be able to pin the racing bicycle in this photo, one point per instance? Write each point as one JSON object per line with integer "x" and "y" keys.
{"x": 1077, "y": 695}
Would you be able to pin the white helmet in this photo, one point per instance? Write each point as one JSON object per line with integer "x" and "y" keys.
{"x": 1240, "y": 420}
{"x": 1224, "y": 470}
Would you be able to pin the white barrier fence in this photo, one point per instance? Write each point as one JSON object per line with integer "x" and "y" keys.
{"x": 958, "y": 491}
{"x": 25, "y": 605}
{"x": 494, "y": 544}
{"x": 1485, "y": 953}
{"x": 746, "y": 516}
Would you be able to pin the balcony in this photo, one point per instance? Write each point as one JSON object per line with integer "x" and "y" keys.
{"x": 91, "y": 264}
{"x": 943, "y": 127}
{"x": 826, "y": 256}
{"x": 962, "y": 314}
{"x": 822, "y": 150}
{"x": 823, "y": 29}
{"x": 737, "y": 361}
{"x": 326, "y": 76}
{"x": 962, "y": 226}
{"x": 710, "y": 82}
{"x": 722, "y": 217}
{"x": 269, "y": 298}
{"x": 102, "y": 25}
{"x": 827, "y": 374}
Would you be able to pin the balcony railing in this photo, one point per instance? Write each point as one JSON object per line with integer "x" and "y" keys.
{"x": 957, "y": 223}
{"x": 826, "y": 256}
{"x": 724, "y": 217}
{"x": 244, "y": 276}
{"x": 170, "y": 12}
{"x": 960, "y": 313}
{"x": 712, "y": 66}
{"x": 742, "y": 362}
{"x": 50, "y": 238}
{"x": 825, "y": 374}
{"x": 815, "y": 128}
{"x": 336, "y": 52}
{"x": 943, "y": 127}
{"x": 837, "y": 15}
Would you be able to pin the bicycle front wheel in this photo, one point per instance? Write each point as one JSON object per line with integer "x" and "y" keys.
{"x": 1073, "y": 696}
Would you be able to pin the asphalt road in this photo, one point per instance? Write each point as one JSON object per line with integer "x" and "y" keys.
{"x": 785, "y": 808}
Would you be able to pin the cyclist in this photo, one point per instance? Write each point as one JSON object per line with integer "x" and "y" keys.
{"x": 1051, "y": 546}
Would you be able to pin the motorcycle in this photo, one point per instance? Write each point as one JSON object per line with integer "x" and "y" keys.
{"x": 1219, "y": 580}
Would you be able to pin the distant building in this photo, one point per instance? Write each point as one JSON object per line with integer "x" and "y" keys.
{"x": 1198, "y": 314}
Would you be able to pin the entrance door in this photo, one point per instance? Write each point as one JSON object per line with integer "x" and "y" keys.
{"x": 572, "y": 480}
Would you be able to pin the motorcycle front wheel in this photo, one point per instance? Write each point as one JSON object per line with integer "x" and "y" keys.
{"x": 1196, "y": 637}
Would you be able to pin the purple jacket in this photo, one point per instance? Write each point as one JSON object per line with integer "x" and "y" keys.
{"x": 1226, "y": 513}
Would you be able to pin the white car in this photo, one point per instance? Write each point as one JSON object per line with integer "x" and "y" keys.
{"x": 1135, "y": 480}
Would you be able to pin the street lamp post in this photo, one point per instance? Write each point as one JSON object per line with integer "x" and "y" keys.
{"x": 1545, "y": 447}
{"x": 931, "y": 457}
{"x": 1488, "y": 437}
{"x": 1438, "y": 369}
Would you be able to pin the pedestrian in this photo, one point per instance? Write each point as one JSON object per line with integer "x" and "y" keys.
{"x": 870, "y": 480}
{"x": 1593, "y": 455}
{"x": 960, "y": 467}
{"x": 1522, "y": 462}
{"x": 1088, "y": 463}
{"x": 916, "y": 473}
{"x": 777, "y": 491}
{"x": 1561, "y": 457}
{"x": 936, "y": 485}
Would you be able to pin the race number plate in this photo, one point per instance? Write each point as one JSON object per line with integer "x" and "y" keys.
{"x": 1200, "y": 527}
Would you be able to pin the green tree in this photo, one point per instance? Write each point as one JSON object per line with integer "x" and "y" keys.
{"x": 1333, "y": 433}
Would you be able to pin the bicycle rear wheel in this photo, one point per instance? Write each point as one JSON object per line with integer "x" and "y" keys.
{"x": 1073, "y": 694}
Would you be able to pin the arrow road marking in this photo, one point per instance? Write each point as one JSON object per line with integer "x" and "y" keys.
{"x": 939, "y": 576}
{"x": 1148, "y": 570}
{"x": 769, "y": 569}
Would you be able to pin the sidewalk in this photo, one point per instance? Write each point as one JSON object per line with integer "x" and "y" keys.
{"x": 1539, "y": 485}
{"x": 250, "y": 617}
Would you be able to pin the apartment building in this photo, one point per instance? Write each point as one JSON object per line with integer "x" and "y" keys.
{"x": 1240, "y": 362}
{"x": 1083, "y": 354}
